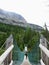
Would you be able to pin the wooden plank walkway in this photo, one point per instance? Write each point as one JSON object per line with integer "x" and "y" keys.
{"x": 26, "y": 61}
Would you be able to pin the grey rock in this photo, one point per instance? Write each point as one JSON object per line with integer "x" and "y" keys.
{"x": 16, "y": 19}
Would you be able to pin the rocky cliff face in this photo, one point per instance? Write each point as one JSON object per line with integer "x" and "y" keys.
{"x": 15, "y": 19}
{"x": 12, "y": 18}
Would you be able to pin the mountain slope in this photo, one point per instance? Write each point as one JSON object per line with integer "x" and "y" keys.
{"x": 15, "y": 19}
{"x": 11, "y": 18}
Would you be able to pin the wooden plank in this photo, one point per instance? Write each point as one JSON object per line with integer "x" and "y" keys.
{"x": 44, "y": 49}
{"x": 42, "y": 63}
{"x": 5, "y": 54}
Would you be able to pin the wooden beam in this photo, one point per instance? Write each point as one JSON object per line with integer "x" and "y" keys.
{"x": 42, "y": 63}
{"x": 5, "y": 54}
{"x": 44, "y": 49}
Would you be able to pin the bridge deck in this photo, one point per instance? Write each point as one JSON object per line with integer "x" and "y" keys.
{"x": 26, "y": 61}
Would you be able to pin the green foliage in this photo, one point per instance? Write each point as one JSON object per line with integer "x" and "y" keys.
{"x": 21, "y": 35}
{"x": 46, "y": 34}
{"x": 31, "y": 37}
{"x": 1, "y": 51}
{"x": 2, "y": 38}
{"x": 6, "y": 30}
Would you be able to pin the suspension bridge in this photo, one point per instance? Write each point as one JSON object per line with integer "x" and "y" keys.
{"x": 12, "y": 52}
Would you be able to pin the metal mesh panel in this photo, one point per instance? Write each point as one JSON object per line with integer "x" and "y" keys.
{"x": 18, "y": 55}
{"x": 33, "y": 55}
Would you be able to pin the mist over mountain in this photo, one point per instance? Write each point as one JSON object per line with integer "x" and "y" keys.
{"x": 15, "y": 19}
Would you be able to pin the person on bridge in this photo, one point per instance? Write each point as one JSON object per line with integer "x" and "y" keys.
{"x": 26, "y": 51}
{"x": 26, "y": 55}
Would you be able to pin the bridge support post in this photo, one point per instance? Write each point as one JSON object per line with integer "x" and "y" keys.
{"x": 44, "y": 57}
{"x": 8, "y": 42}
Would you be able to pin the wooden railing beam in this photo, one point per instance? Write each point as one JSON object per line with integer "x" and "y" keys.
{"x": 44, "y": 49}
{"x": 5, "y": 54}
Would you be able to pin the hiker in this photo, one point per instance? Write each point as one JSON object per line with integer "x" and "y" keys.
{"x": 26, "y": 55}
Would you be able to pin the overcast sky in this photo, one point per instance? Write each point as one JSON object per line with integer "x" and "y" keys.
{"x": 34, "y": 11}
